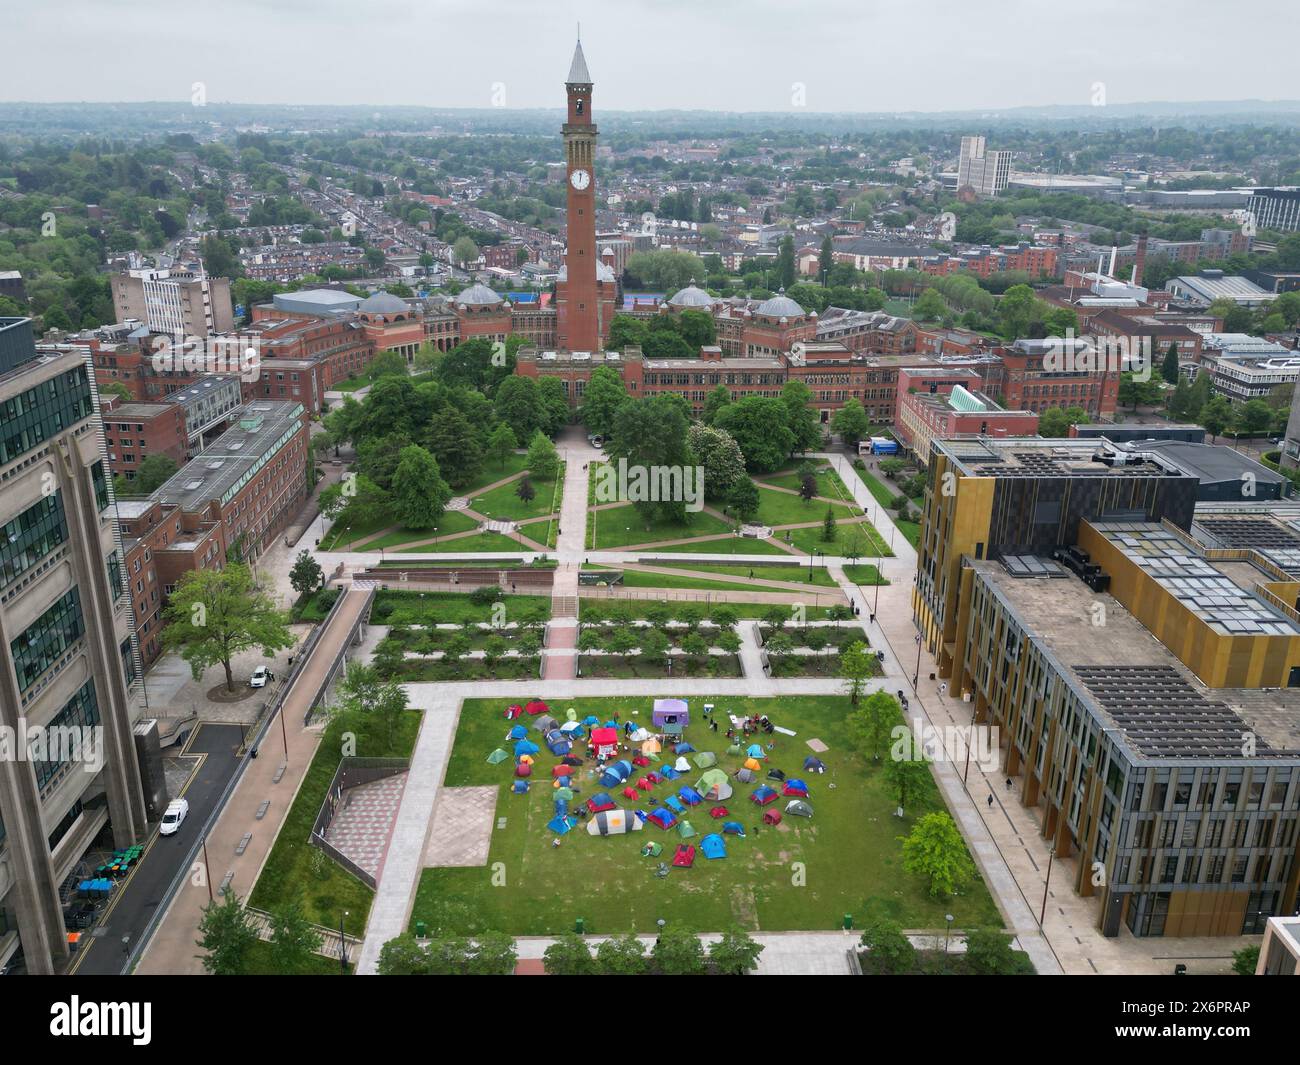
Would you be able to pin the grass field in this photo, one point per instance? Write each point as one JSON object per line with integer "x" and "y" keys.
{"x": 623, "y": 525}
{"x": 802, "y": 874}
{"x": 727, "y": 545}
{"x": 392, "y": 607}
{"x": 716, "y": 573}
{"x": 870, "y": 543}
{"x": 260, "y": 962}
{"x": 828, "y": 482}
{"x": 782, "y": 508}
{"x": 598, "y": 608}
{"x": 488, "y": 541}
{"x": 503, "y": 503}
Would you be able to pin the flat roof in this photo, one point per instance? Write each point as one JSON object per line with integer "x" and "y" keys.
{"x": 1029, "y": 456}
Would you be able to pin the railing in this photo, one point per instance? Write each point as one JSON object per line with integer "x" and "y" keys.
{"x": 329, "y": 937}
{"x": 351, "y": 773}
{"x": 348, "y": 640}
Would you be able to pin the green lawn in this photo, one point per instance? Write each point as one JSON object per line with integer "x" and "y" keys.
{"x": 864, "y": 573}
{"x": 399, "y": 607}
{"x": 488, "y": 541}
{"x": 870, "y": 542}
{"x": 803, "y": 874}
{"x": 782, "y": 508}
{"x": 595, "y": 608}
{"x": 452, "y": 521}
{"x": 623, "y": 525}
{"x": 828, "y": 482}
{"x": 295, "y": 870}
{"x": 728, "y": 545}
{"x": 884, "y": 492}
{"x": 504, "y": 504}
{"x": 791, "y": 572}
{"x": 260, "y": 962}
{"x": 343, "y": 533}
{"x": 494, "y": 471}
{"x": 543, "y": 530}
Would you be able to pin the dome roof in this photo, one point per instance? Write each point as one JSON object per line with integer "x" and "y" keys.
{"x": 603, "y": 273}
{"x": 383, "y": 303}
{"x": 690, "y": 296}
{"x": 478, "y": 295}
{"x": 780, "y": 306}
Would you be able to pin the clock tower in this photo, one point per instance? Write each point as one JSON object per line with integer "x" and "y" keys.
{"x": 584, "y": 297}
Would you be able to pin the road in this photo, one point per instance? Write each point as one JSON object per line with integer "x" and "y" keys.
{"x": 139, "y": 895}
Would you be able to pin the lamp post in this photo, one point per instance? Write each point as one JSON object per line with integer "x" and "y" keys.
{"x": 343, "y": 946}
{"x": 946, "y": 932}
{"x": 1051, "y": 857}
{"x": 916, "y": 674}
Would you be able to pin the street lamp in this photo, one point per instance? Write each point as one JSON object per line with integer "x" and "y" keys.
{"x": 946, "y": 931}
{"x": 343, "y": 946}
{"x": 916, "y": 674}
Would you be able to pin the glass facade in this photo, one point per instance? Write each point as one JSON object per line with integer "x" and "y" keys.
{"x": 101, "y": 485}
{"x": 47, "y": 638}
{"x": 31, "y": 536}
{"x": 52, "y": 765}
{"x": 115, "y": 575}
{"x": 32, "y": 417}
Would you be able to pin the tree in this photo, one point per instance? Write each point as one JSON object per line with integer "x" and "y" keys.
{"x": 714, "y": 402}
{"x": 800, "y": 416}
{"x": 1215, "y": 417}
{"x": 1134, "y": 393}
{"x": 403, "y": 956}
{"x": 872, "y": 722}
{"x": 808, "y": 487}
{"x": 851, "y": 423}
{"x": 826, "y": 259}
{"x": 569, "y": 955}
{"x": 734, "y": 954}
{"x": 154, "y": 471}
{"x": 214, "y": 615}
{"x": 744, "y": 499}
{"x": 419, "y": 492}
{"x": 907, "y": 775}
{"x": 1252, "y": 418}
{"x": 465, "y": 251}
{"x": 1246, "y": 960}
{"x": 759, "y": 425}
{"x": 1016, "y": 311}
{"x": 543, "y": 461}
{"x": 387, "y": 364}
{"x": 493, "y": 954}
{"x": 889, "y": 952}
{"x": 934, "y": 849}
{"x": 650, "y": 433}
{"x": 929, "y": 307}
{"x": 989, "y": 953}
{"x": 455, "y": 444}
{"x": 1056, "y": 421}
{"x": 828, "y": 534}
{"x": 621, "y": 956}
{"x": 518, "y": 403}
{"x": 678, "y": 954}
{"x": 554, "y": 404}
{"x": 601, "y": 401}
{"x": 306, "y": 575}
{"x": 502, "y": 443}
{"x": 653, "y": 643}
{"x": 363, "y": 693}
{"x": 294, "y": 940}
{"x": 1169, "y": 368}
{"x": 226, "y": 935}
{"x": 720, "y": 455}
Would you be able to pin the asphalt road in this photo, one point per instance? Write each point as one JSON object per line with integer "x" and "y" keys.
{"x": 136, "y": 898}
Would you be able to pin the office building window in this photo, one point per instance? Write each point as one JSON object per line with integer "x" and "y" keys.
{"x": 47, "y": 638}
{"x": 31, "y": 536}
{"x": 34, "y": 416}
{"x": 65, "y": 740}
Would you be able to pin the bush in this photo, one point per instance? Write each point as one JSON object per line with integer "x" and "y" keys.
{"x": 381, "y": 611}
{"x": 485, "y": 595}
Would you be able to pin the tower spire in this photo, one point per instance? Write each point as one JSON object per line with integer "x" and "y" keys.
{"x": 578, "y": 74}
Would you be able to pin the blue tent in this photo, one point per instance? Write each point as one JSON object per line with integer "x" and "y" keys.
{"x": 663, "y": 818}
{"x": 615, "y": 773}
{"x": 756, "y": 751}
{"x": 591, "y": 719}
{"x": 733, "y": 828}
{"x": 517, "y": 733}
{"x": 558, "y": 743}
{"x": 675, "y": 804}
{"x": 795, "y": 787}
{"x": 713, "y": 846}
{"x": 561, "y": 807}
{"x": 520, "y": 787}
{"x": 684, "y": 748}
{"x": 690, "y": 796}
{"x": 526, "y": 747}
{"x": 816, "y": 765}
{"x": 668, "y": 773}
{"x": 762, "y": 796}
{"x": 611, "y": 724}
{"x": 560, "y": 825}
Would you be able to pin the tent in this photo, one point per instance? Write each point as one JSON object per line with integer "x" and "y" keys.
{"x": 571, "y": 715}
{"x": 644, "y": 784}
{"x": 613, "y": 823}
{"x": 654, "y": 778}
{"x": 640, "y": 761}
{"x": 599, "y": 803}
{"x": 704, "y": 759}
{"x": 734, "y": 749}
{"x": 682, "y": 765}
{"x": 497, "y": 757}
{"x": 513, "y": 711}
{"x": 719, "y": 811}
{"x": 712, "y": 846}
{"x": 798, "y": 808}
{"x": 713, "y": 784}
{"x": 517, "y": 733}
{"x": 564, "y": 793}
{"x": 631, "y": 793}
{"x": 685, "y": 856}
{"x": 683, "y": 748}
{"x": 526, "y": 747}
{"x": 638, "y": 735}
{"x": 756, "y": 751}
{"x": 795, "y": 787}
{"x": 569, "y": 759}
{"x": 604, "y": 741}
{"x": 558, "y": 743}
{"x": 771, "y": 817}
{"x": 745, "y": 776}
{"x": 523, "y": 769}
{"x": 570, "y": 728}
{"x": 652, "y": 849}
{"x": 764, "y": 795}
{"x": 669, "y": 773}
{"x": 675, "y": 804}
{"x": 814, "y": 765}
{"x": 545, "y": 723}
{"x": 558, "y": 771}
{"x": 561, "y": 825}
{"x": 670, "y": 712}
{"x": 775, "y": 774}
{"x": 735, "y": 828}
{"x": 561, "y": 807}
{"x": 615, "y": 773}
{"x": 591, "y": 719}
{"x": 689, "y": 796}
{"x": 753, "y": 765}
{"x": 520, "y": 787}
{"x": 651, "y": 746}
{"x": 527, "y": 759}
{"x": 536, "y": 707}
{"x": 686, "y": 830}
{"x": 663, "y": 817}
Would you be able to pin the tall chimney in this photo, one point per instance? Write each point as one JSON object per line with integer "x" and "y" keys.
{"x": 1114, "y": 251}
{"x": 1140, "y": 259}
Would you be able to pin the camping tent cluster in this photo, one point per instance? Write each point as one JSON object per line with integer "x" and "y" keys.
{"x": 644, "y": 766}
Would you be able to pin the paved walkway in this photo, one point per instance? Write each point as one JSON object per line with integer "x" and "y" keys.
{"x": 363, "y": 825}
{"x": 171, "y": 950}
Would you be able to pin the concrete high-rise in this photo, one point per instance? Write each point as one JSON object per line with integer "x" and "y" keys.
{"x": 983, "y": 171}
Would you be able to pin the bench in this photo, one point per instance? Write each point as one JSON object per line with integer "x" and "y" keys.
{"x": 243, "y": 843}
{"x": 261, "y": 810}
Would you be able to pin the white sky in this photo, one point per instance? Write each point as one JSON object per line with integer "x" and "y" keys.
{"x": 739, "y": 55}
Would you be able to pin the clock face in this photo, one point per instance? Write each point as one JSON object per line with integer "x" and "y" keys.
{"x": 580, "y": 179}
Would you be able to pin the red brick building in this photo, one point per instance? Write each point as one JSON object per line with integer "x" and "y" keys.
{"x": 134, "y": 431}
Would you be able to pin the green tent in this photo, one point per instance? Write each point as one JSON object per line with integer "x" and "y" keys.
{"x": 685, "y": 829}
{"x": 705, "y": 759}
{"x": 734, "y": 749}
{"x": 496, "y": 757}
{"x": 652, "y": 850}
{"x": 564, "y": 793}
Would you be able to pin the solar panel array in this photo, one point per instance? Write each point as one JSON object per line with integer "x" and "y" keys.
{"x": 1195, "y": 583}
{"x": 1032, "y": 566}
{"x": 1165, "y": 717}
{"x": 1254, "y": 533}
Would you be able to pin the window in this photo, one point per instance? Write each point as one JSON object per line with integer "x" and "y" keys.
{"x": 31, "y": 536}
{"x": 34, "y": 416}
{"x": 47, "y": 638}
{"x": 64, "y": 743}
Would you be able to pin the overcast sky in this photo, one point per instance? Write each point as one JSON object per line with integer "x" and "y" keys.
{"x": 740, "y": 55}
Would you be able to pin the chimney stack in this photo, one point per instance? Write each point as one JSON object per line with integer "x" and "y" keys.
{"x": 1140, "y": 259}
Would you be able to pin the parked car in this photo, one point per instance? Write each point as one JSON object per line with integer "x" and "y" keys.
{"x": 174, "y": 816}
{"x": 260, "y": 676}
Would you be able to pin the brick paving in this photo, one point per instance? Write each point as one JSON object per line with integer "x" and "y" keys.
{"x": 461, "y": 832}
{"x": 363, "y": 825}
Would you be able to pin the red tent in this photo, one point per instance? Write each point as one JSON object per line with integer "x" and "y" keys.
{"x": 605, "y": 741}
{"x": 561, "y": 770}
{"x": 771, "y": 817}
{"x": 718, "y": 811}
{"x": 537, "y": 707}
{"x": 654, "y": 778}
{"x": 685, "y": 856}
{"x": 523, "y": 769}
{"x": 630, "y": 793}
{"x": 641, "y": 760}
{"x": 514, "y": 711}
